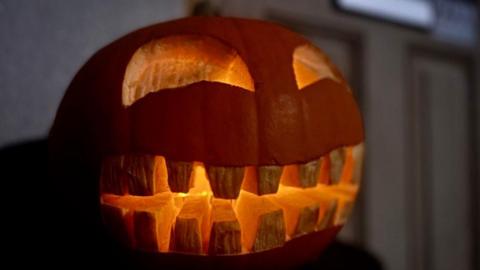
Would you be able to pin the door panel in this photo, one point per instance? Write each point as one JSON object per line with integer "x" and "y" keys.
{"x": 441, "y": 208}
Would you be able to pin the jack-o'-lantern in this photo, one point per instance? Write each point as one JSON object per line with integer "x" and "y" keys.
{"x": 215, "y": 136}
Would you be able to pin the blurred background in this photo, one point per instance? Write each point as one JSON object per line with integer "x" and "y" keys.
{"x": 414, "y": 66}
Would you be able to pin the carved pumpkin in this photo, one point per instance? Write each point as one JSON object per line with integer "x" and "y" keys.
{"x": 214, "y": 136}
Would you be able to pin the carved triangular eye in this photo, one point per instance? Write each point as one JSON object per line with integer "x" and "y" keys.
{"x": 181, "y": 60}
{"x": 311, "y": 65}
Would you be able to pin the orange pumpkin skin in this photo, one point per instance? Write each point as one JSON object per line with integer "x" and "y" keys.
{"x": 275, "y": 125}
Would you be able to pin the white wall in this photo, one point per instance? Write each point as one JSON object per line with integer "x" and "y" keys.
{"x": 43, "y": 44}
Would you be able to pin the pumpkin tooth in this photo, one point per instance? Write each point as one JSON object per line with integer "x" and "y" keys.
{"x": 225, "y": 230}
{"x": 337, "y": 160}
{"x": 301, "y": 175}
{"x": 112, "y": 179}
{"x": 328, "y": 218}
{"x": 147, "y": 219}
{"x": 262, "y": 179}
{"x": 269, "y": 179}
{"x": 180, "y": 176}
{"x": 190, "y": 234}
{"x": 345, "y": 207}
{"x": 225, "y": 181}
{"x": 357, "y": 153}
{"x": 328, "y": 205}
{"x": 309, "y": 173}
{"x": 141, "y": 174}
{"x": 345, "y": 196}
{"x": 301, "y": 212}
{"x": 261, "y": 222}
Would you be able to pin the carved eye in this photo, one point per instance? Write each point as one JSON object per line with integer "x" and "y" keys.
{"x": 181, "y": 60}
{"x": 311, "y": 65}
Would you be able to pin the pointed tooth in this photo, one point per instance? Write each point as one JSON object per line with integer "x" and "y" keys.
{"x": 225, "y": 230}
{"x": 262, "y": 179}
{"x": 179, "y": 176}
{"x": 337, "y": 160}
{"x": 309, "y": 173}
{"x": 225, "y": 181}
{"x": 141, "y": 174}
{"x": 112, "y": 179}
{"x": 191, "y": 226}
{"x": 261, "y": 222}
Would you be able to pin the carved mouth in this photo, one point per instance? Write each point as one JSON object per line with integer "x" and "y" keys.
{"x": 154, "y": 204}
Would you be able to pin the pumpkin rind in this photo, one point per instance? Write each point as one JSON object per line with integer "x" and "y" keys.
{"x": 151, "y": 145}
{"x": 275, "y": 125}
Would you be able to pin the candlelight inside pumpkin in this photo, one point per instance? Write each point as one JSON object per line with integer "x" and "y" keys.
{"x": 138, "y": 195}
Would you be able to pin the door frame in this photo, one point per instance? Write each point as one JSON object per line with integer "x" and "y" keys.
{"x": 466, "y": 59}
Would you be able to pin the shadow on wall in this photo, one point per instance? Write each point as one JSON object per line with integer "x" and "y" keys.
{"x": 45, "y": 226}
